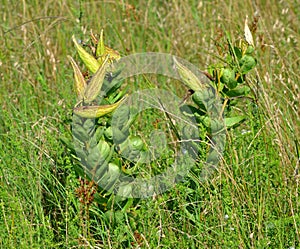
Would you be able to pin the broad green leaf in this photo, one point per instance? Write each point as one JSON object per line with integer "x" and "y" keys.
{"x": 234, "y": 121}
{"x": 80, "y": 133}
{"x": 125, "y": 190}
{"x": 110, "y": 176}
{"x": 89, "y": 125}
{"x": 108, "y": 133}
{"x": 250, "y": 50}
{"x": 238, "y": 52}
{"x": 121, "y": 117}
{"x": 228, "y": 78}
{"x": 247, "y": 62}
{"x": 97, "y": 155}
{"x": 118, "y": 135}
{"x": 136, "y": 143}
{"x": 238, "y": 91}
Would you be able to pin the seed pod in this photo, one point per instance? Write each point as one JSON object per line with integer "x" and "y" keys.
{"x": 100, "y": 46}
{"x": 96, "y": 111}
{"x": 94, "y": 87}
{"x": 113, "y": 54}
{"x": 247, "y": 33}
{"x": 80, "y": 83}
{"x": 91, "y": 63}
{"x": 189, "y": 79}
{"x": 103, "y": 51}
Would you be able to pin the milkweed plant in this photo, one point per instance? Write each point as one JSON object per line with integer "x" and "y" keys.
{"x": 99, "y": 94}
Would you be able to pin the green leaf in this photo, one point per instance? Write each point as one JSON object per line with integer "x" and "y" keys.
{"x": 228, "y": 78}
{"x": 108, "y": 133}
{"x": 96, "y": 137}
{"x": 239, "y": 91}
{"x": 97, "y": 155}
{"x": 89, "y": 125}
{"x": 119, "y": 136}
{"x": 121, "y": 117}
{"x": 238, "y": 52}
{"x": 110, "y": 176}
{"x": 67, "y": 142}
{"x": 247, "y": 63}
{"x": 204, "y": 99}
{"x": 234, "y": 121}
{"x": 250, "y": 50}
{"x": 125, "y": 190}
{"x": 136, "y": 143}
{"x": 80, "y": 133}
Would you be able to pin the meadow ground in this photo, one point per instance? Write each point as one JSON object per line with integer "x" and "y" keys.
{"x": 252, "y": 201}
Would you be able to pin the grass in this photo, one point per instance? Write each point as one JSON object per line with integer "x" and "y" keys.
{"x": 251, "y": 202}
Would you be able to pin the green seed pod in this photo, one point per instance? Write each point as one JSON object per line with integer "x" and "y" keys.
{"x": 100, "y": 46}
{"x": 94, "y": 87}
{"x": 189, "y": 79}
{"x": 91, "y": 63}
{"x": 80, "y": 83}
{"x": 96, "y": 111}
{"x": 93, "y": 111}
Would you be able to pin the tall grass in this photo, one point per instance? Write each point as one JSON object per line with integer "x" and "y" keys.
{"x": 251, "y": 202}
